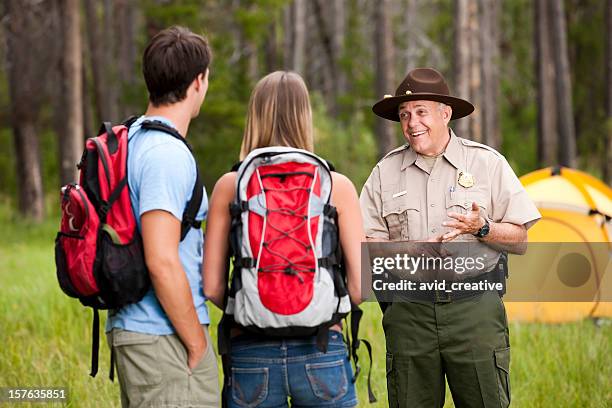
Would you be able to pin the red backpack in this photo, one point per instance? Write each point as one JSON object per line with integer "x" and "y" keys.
{"x": 98, "y": 250}
{"x": 288, "y": 278}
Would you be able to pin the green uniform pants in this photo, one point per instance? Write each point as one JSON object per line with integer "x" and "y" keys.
{"x": 465, "y": 340}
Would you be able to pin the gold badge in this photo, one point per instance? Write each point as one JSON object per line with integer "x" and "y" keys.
{"x": 465, "y": 179}
{"x": 408, "y": 92}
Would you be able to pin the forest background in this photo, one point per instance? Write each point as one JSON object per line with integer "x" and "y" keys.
{"x": 539, "y": 73}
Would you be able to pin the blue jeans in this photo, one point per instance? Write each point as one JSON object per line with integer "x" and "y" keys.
{"x": 267, "y": 372}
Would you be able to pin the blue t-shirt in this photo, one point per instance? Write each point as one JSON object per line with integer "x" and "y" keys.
{"x": 161, "y": 176}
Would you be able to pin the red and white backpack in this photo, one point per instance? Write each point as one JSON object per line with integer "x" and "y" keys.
{"x": 287, "y": 278}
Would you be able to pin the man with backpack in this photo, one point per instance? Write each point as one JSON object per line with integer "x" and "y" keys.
{"x": 163, "y": 352}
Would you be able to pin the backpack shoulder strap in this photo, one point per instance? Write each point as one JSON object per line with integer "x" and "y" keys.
{"x": 130, "y": 121}
{"x": 191, "y": 210}
{"x": 162, "y": 127}
{"x": 192, "y": 207}
{"x": 111, "y": 141}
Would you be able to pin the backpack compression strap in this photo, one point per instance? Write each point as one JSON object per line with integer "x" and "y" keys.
{"x": 356, "y": 314}
{"x": 191, "y": 210}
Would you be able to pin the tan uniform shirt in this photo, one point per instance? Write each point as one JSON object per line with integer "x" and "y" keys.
{"x": 403, "y": 200}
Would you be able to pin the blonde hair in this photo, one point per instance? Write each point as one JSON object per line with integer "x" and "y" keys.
{"x": 279, "y": 114}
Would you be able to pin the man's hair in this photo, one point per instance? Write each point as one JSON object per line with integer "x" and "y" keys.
{"x": 171, "y": 61}
{"x": 279, "y": 114}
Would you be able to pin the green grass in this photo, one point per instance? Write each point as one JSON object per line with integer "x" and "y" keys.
{"x": 45, "y": 339}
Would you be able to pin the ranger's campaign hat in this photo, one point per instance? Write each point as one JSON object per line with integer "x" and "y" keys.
{"x": 422, "y": 84}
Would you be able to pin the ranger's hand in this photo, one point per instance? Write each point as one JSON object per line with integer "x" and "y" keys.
{"x": 468, "y": 223}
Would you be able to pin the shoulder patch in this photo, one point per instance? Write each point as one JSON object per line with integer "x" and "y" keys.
{"x": 471, "y": 143}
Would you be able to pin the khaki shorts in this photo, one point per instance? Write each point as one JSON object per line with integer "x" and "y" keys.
{"x": 153, "y": 372}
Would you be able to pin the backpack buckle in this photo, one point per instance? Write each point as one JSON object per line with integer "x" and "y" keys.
{"x": 104, "y": 207}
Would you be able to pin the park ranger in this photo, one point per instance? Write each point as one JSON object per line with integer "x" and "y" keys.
{"x": 440, "y": 187}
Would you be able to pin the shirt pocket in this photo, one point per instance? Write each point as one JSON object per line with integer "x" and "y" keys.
{"x": 402, "y": 215}
{"x": 461, "y": 201}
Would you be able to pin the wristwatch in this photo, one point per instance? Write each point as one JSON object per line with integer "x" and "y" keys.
{"x": 484, "y": 230}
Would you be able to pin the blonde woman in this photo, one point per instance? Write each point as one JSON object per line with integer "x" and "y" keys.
{"x": 273, "y": 371}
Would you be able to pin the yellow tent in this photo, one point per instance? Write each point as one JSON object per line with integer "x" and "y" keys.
{"x": 575, "y": 208}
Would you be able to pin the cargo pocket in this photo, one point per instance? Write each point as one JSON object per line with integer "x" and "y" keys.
{"x": 398, "y": 367}
{"x": 137, "y": 357}
{"x": 328, "y": 380}
{"x": 391, "y": 383}
{"x": 399, "y": 213}
{"x": 250, "y": 386}
{"x": 502, "y": 363}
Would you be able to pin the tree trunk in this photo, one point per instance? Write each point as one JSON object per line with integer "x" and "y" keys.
{"x": 299, "y": 36}
{"x": 288, "y": 37}
{"x": 410, "y": 32}
{"x": 71, "y": 137}
{"x": 547, "y": 112}
{"x": 99, "y": 50}
{"x": 475, "y": 81}
{"x": 88, "y": 126}
{"x": 315, "y": 71}
{"x": 476, "y": 76}
{"x": 608, "y": 156}
{"x": 25, "y": 34}
{"x": 110, "y": 70}
{"x": 29, "y": 175}
{"x": 563, "y": 87}
{"x": 252, "y": 62}
{"x": 339, "y": 29}
{"x": 127, "y": 25}
{"x": 462, "y": 53}
{"x": 271, "y": 50}
{"x": 489, "y": 38}
{"x": 329, "y": 72}
{"x": 126, "y": 28}
{"x": 54, "y": 79}
{"x": 383, "y": 40}
{"x": 247, "y": 50}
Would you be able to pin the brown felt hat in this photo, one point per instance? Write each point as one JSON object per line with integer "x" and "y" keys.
{"x": 421, "y": 84}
